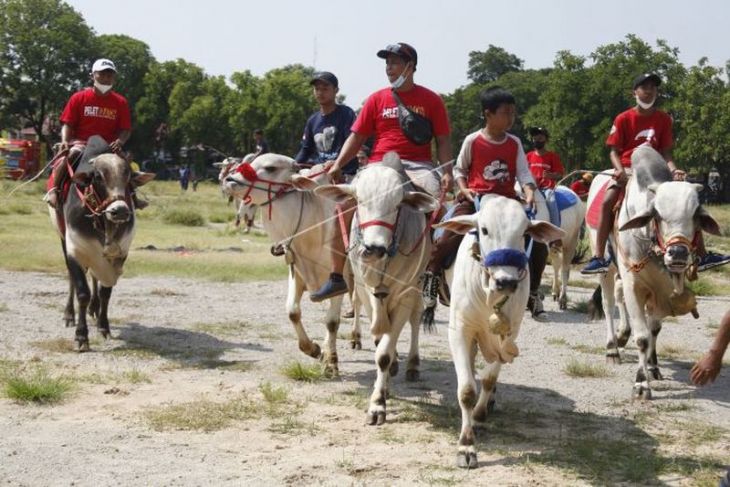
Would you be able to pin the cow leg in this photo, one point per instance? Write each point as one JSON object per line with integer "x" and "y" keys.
{"x": 102, "y": 321}
{"x": 655, "y": 326}
{"x": 78, "y": 277}
{"x": 94, "y": 303}
{"x": 69, "y": 314}
{"x": 485, "y": 404}
{"x": 332, "y": 321}
{"x": 566, "y": 257}
{"x": 414, "y": 360}
{"x": 624, "y": 329}
{"x": 293, "y": 298}
{"x": 384, "y": 356}
{"x": 635, "y": 305}
{"x": 555, "y": 260}
{"x": 461, "y": 343}
{"x": 607, "y": 283}
{"x": 356, "y": 333}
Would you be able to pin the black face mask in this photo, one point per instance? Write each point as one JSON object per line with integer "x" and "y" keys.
{"x": 539, "y": 144}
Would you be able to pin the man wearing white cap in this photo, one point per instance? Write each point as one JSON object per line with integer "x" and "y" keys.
{"x": 96, "y": 110}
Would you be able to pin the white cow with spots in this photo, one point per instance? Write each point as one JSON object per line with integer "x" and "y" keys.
{"x": 489, "y": 285}
{"x": 390, "y": 247}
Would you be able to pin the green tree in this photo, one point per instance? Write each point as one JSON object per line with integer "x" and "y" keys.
{"x": 489, "y": 65}
{"x": 244, "y": 115}
{"x": 46, "y": 50}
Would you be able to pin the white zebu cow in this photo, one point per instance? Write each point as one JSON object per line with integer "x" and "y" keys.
{"x": 660, "y": 221}
{"x": 571, "y": 219}
{"x": 489, "y": 289}
{"x": 302, "y": 223}
{"x": 244, "y": 212}
{"x": 389, "y": 252}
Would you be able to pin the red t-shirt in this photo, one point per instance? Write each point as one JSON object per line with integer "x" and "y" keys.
{"x": 549, "y": 162}
{"x": 493, "y": 166}
{"x": 630, "y": 130}
{"x": 580, "y": 188}
{"x": 379, "y": 117}
{"x": 92, "y": 114}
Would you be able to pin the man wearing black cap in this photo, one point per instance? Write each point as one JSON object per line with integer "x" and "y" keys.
{"x": 640, "y": 125}
{"x": 379, "y": 119}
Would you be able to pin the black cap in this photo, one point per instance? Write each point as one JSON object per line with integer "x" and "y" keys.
{"x": 539, "y": 130}
{"x": 325, "y": 76}
{"x": 647, "y": 76}
{"x": 401, "y": 49}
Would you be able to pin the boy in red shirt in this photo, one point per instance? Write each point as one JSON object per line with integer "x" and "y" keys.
{"x": 582, "y": 186}
{"x": 92, "y": 111}
{"x": 490, "y": 161}
{"x": 642, "y": 124}
{"x": 547, "y": 169}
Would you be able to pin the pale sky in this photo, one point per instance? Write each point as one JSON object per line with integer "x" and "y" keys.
{"x": 227, "y": 36}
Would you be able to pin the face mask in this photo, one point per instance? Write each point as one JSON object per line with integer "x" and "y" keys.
{"x": 643, "y": 105}
{"x": 101, "y": 87}
{"x": 539, "y": 145}
{"x": 401, "y": 79}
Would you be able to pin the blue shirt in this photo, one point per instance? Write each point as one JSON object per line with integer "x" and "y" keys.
{"x": 324, "y": 136}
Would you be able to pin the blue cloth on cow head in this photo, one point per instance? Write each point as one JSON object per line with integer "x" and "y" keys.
{"x": 506, "y": 257}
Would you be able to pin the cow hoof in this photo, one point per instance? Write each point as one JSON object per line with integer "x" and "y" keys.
{"x": 466, "y": 459}
{"x": 82, "y": 345}
{"x": 613, "y": 358}
{"x": 69, "y": 322}
{"x": 555, "y": 297}
{"x": 376, "y": 418}
{"x": 331, "y": 371}
{"x": 394, "y": 368}
{"x": 413, "y": 375}
{"x": 623, "y": 339}
{"x": 641, "y": 393}
{"x": 356, "y": 344}
{"x": 315, "y": 351}
{"x": 655, "y": 373}
{"x": 563, "y": 305}
{"x": 105, "y": 332}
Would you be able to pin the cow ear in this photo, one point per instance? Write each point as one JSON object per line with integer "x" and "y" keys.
{"x": 82, "y": 178}
{"x": 653, "y": 187}
{"x": 420, "y": 201}
{"x": 459, "y": 224}
{"x": 337, "y": 192}
{"x": 640, "y": 220}
{"x": 142, "y": 178}
{"x": 303, "y": 183}
{"x": 544, "y": 232}
{"x": 707, "y": 223}
{"x": 698, "y": 187}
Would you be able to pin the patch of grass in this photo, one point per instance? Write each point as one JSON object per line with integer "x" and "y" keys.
{"x": 228, "y": 365}
{"x": 201, "y": 415}
{"x": 579, "y": 369}
{"x": 580, "y": 306}
{"x": 183, "y": 216}
{"x": 63, "y": 345}
{"x": 273, "y": 395}
{"x": 583, "y": 283}
{"x": 224, "y": 328}
{"x": 290, "y": 425}
{"x": 705, "y": 287}
{"x": 712, "y": 325}
{"x": 164, "y": 292}
{"x": 135, "y": 376}
{"x": 558, "y": 342}
{"x": 672, "y": 351}
{"x": 303, "y": 372}
{"x": 389, "y": 436}
{"x": 35, "y": 385}
{"x": 19, "y": 209}
{"x": 589, "y": 349}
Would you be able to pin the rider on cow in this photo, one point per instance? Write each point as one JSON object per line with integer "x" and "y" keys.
{"x": 642, "y": 124}
{"x": 490, "y": 161}
{"x": 95, "y": 110}
{"x": 547, "y": 169}
{"x": 379, "y": 117}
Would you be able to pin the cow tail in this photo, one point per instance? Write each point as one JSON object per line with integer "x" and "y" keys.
{"x": 595, "y": 306}
{"x": 427, "y": 319}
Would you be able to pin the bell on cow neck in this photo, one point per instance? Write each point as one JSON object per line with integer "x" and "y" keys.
{"x": 499, "y": 324}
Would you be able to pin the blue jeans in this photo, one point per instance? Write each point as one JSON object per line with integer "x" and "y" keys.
{"x": 552, "y": 205}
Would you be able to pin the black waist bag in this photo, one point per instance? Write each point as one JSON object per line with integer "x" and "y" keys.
{"x": 415, "y": 127}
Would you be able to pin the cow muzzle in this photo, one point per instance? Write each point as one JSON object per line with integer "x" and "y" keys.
{"x": 118, "y": 212}
{"x": 677, "y": 258}
{"x": 506, "y": 285}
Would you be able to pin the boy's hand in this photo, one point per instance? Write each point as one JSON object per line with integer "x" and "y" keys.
{"x": 706, "y": 369}
{"x": 447, "y": 182}
{"x": 467, "y": 194}
{"x": 620, "y": 175}
{"x": 679, "y": 175}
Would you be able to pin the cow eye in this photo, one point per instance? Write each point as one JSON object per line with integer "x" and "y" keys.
{"x": 484, "y": 231}
{"x": 269, "y": 169}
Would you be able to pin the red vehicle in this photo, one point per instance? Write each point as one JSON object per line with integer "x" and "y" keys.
{"x": 19, "y": 159}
